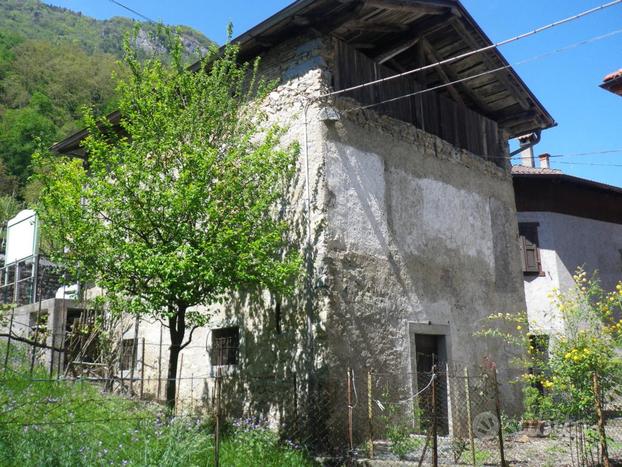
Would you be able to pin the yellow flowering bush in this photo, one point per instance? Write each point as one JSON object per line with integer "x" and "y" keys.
{"x": 559, "y": 385}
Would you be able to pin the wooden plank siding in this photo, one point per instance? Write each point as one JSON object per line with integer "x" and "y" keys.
{"x": 431, "y": 111}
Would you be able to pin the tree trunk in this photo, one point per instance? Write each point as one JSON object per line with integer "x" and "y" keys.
{"x": 177, "y": 330}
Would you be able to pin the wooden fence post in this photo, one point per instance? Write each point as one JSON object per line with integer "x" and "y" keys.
{"x": 370, "y": 416}
{"x": 160, "y": 364}
{"x": 498, "y": 413}
{"x": 467, "y": 389}
{"x": 604, "y": 454}
{"x": 177, "y": 397}
{"x": 134, "y": 357}
{"x": 142, "y": 369}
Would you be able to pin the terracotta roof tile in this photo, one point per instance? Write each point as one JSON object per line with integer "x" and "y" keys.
{"x": 614, "y": 75}
{"x": 521, "y": 169}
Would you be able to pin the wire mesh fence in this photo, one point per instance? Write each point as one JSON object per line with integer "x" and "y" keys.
{"x": 451, "y": 414}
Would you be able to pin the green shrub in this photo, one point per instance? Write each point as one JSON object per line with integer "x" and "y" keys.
{"x": 56, "y": 423}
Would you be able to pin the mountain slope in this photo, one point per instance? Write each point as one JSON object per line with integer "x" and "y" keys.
{"x": 36, "y": 20}
{"x": 54, "y": 63}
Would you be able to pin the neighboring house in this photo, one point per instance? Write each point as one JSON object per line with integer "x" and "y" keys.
{"x": 613, "y": 82}
{"x": 564, "y": 222}
{"x": 412, "y": 215}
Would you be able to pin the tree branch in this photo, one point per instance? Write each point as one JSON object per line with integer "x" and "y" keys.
{"x": 189, "y": 338}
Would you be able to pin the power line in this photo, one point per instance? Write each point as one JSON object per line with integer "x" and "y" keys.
{"x": 608, "y": 151}
{"x": 578, "y": 154}
{"x": 468, "y": 78}
{"x": 477, "y": 51}
{"x": 136, "y": 12}
{"x": 589, "y": 163}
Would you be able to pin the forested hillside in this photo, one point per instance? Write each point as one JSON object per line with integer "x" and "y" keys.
{"x": 53, "y": 63}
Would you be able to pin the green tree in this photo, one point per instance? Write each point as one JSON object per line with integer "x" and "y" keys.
{"x": 21, "y": 130}
{"x": 184, "y": 205}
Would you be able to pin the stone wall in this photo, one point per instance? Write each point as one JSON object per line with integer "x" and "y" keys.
{"x": 421, "y": 239}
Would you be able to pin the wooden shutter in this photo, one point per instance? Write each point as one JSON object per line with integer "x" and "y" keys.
{"x": 528, "y": 233}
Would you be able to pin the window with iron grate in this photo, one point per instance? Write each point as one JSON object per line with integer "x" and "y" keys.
{"x": 225, "y": 346}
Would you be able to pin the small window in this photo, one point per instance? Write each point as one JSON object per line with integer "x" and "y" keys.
{"x": 530, "y": 253}
{"x": 128, "y": 354}
{"x": 225, "y": 346}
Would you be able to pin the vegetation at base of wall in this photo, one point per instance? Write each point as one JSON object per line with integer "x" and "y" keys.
{"x": 77, "y": 424}
{"x": 558, "y": 384}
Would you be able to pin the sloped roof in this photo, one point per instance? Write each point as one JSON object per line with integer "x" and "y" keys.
{"x": 389, "y": 31}
{"x": 403, "y": 35}
{"x": 522, "y": 169}
{"x": 613, "y": 82}
{"x": 538, "y": 189}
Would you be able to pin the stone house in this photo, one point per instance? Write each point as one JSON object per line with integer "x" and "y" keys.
{"x": 564, "y": 223}
{"x": 405, "y": 209}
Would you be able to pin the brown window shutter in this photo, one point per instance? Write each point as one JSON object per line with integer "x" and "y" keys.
{"x": 529, "y": 247}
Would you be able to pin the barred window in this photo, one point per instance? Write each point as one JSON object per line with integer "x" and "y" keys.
{"x": 225, "y": 346}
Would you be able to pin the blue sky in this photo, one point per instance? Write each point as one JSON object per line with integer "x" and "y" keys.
{"x": 567, "y": 84}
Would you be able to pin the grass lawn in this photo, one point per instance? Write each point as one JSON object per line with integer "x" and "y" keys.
{"x": 77, "y": 424}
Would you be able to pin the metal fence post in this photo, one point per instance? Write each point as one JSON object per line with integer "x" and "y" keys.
{"x": 8, "y": 342}
{"x": 604, "y": 454}
{"x": 498, "y": 413}
{"x": 434, "y": 421}
{"x": 51, "y": 372}
{"x": 217, "y": 429}
{"x": 349, "y": 385}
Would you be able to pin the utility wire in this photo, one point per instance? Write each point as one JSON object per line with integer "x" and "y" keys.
{"x": 488, "y": 72}
{"x": 477, "y": 51}
{"x": 136, "y": 12}
{"x": 589, "y": 163}
{"x": 580, "y": 154}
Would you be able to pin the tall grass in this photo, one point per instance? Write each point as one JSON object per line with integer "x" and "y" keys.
{"x": 58, "y": 423}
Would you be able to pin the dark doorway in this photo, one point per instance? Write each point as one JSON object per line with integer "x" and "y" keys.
{"x": 431, "y": 356}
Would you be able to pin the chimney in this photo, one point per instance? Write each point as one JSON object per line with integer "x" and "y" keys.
{"x": 544, "y": 161}
{"x": 526, "y": 143}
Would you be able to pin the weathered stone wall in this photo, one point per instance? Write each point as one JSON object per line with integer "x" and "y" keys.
{"x": 567, "y": 242}
{"x": 421, "y": 238}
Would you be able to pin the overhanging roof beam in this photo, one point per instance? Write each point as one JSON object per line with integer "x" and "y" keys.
{"x": 375, "y": 26}
{"x": 491, "y": 64}
{"x": 431, "y": 56}
{"x": 416, "y": 31}
{"x": 432, "y": 7}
